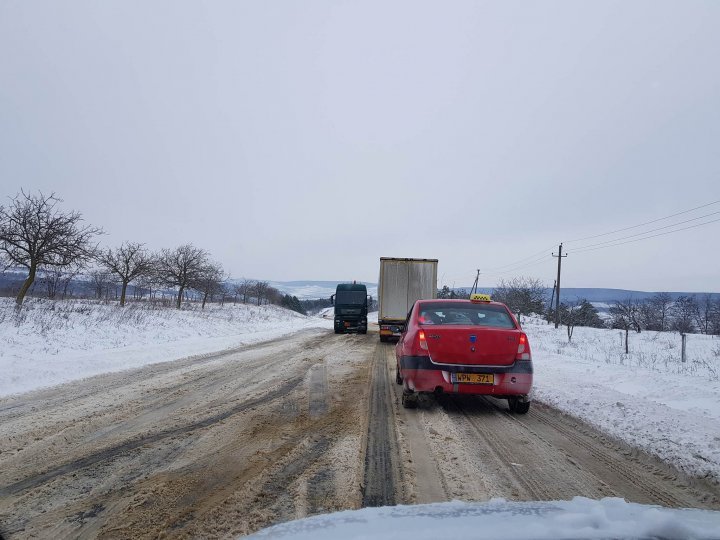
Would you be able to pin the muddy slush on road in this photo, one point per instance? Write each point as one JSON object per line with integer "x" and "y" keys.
{"x": 226, "y": 444}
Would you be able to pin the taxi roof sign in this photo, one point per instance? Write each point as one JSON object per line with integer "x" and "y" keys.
{"x": 480, "y": 297}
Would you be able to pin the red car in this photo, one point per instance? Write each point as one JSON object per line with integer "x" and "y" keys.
{"x": 464, "y": 347}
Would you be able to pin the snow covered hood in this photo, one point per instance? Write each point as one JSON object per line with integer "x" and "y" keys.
{"x": 579, "y": 518}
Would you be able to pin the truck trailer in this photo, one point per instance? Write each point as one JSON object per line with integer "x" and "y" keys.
{"x": 401, "y": 283}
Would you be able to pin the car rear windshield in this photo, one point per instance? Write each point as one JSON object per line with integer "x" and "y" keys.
{"x": 465, "y": 314}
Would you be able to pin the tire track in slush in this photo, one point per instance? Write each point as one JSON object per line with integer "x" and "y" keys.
{"x": 382, "y": 477}
{"x": 562, "y": 457}
{"x": 317, "y": 395}
{"x": 110, "y": 453}
{"x": 501, "y": 450}
{"x": 609, "y": 459}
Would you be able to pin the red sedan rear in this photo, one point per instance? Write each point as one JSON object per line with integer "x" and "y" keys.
{"x": 464, "y": 347}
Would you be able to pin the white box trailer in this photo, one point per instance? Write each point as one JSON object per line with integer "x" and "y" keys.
{"x": 401, "y": 283}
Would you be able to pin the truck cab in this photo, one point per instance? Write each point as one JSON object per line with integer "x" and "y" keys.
{"x": 351, "y": 308}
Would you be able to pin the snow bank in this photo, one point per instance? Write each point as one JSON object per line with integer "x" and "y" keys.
{"x": 580, "y": 518}
{"x": 51, "y": 342}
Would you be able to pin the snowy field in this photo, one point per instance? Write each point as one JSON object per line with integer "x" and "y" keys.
{"x": 54, "y": 342}
{"x": 648, "y": 398}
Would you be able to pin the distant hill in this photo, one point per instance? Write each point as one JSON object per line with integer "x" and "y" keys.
{"x": 308, "y": 290}
{"x": 611, "y": 295}
{"x": 311, "y": 290}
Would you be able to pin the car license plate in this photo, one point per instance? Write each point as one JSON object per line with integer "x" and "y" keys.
{"x": 473, "y": 378}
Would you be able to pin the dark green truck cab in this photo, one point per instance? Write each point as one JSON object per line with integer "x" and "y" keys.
{"x": 351, "y": 308}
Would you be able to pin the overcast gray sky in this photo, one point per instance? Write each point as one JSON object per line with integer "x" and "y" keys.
{"x": 304, "y": 140}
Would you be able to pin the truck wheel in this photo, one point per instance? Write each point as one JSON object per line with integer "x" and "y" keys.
{"x": 363, "y": 330}
{"x": 383, "y": 339}
{"x": 338, "y": 331}
{"x": 398, "y": 377}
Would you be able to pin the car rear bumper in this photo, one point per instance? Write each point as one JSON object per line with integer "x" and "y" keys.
{"x": 420, "y": 374}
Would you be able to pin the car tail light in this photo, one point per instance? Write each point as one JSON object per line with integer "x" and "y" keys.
{"x": 422, "y": 341}
{"x": 523, "y": 351}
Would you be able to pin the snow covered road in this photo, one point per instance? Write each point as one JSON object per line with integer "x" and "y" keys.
{"x": 225, "y": 444}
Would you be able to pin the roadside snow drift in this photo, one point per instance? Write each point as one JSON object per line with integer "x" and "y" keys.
{"x": 49, "y": 343}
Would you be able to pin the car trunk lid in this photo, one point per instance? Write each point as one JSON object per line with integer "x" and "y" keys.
{"x": 471, "y": 345}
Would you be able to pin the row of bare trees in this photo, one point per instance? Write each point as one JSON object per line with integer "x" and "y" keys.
{"x": 685, "y": 314}
{"x": 36, "y": 235}
{"x": 661, "y": 312}
{"x": 183, "y": 268}
{"x": 257, "y": 292}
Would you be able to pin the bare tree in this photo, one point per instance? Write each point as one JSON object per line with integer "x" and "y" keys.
{"x": 210, "y": 281}
{"x": 684, "y": 312}
{"x": 128, "y": 262}
{"x": 35, "y": 234}
{"x": 704, "y": 313}
{"x": 181, "y": 267}
{"x": 648, "y": 315}
{"x": 662, "y": 305}
{"x": 715, "y": 317}
{"x": 149, "y": 282}
{"x": 59, "y": 278}
{"x": 51, "y": 279}
{"x": 245, "y": 289}
{"x": 101, "y": 281}
{"x": 261, "y": 289}
{"x": 523, "y": 295}
{"x": 573, "y": 317}
{"x": 273, "y": 295}
{"x": 626, "y": 315}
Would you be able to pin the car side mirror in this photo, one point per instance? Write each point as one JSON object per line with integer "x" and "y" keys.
{"x": 332, "y": 300}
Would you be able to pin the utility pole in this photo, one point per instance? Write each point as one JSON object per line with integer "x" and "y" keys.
{"x": 557, "y": 286}
{"x": 475, "y": 285}
{"x": 552, "y": 297}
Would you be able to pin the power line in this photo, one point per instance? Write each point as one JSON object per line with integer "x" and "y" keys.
{"x": 647, "y": 237}
{"x": 515, "y": 269}
{"x": 493, "y": 271}
{"x": 460, "y": 276}
{"x": 543, "y": 251}
{"x": 643, "y": 224}
{"x": 648, "y": 231}
{"x": 540, "y": 256}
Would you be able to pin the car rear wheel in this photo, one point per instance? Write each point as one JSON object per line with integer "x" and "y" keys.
{"x": 517, "y": 406}
{"x": 409, "y": 399}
